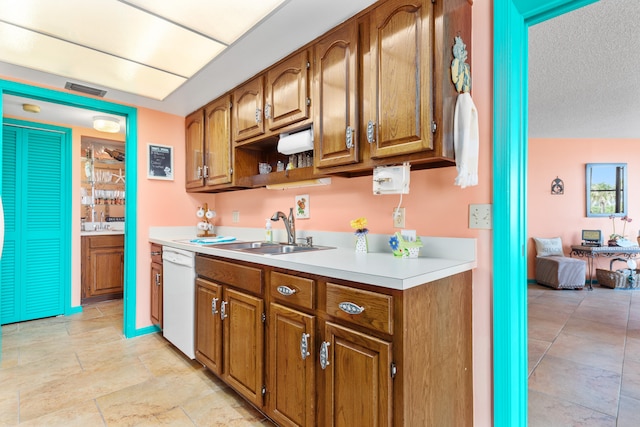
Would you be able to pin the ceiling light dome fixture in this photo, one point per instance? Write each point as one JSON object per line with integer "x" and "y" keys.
{"x": 106, "y": 124}
{"x": 31, "y": 108}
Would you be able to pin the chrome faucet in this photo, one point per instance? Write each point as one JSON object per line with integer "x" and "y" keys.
{"x": 289, "y": 225}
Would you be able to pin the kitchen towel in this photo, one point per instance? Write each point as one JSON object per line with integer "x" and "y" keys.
{"x": 466, "y": 141}
{"x": 296, "y": 142}
{"x": 211, "y": 240}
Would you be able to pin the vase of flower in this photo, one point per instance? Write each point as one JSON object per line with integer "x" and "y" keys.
{"x": 362, "y": 246}
{"x": 359, "y": 225}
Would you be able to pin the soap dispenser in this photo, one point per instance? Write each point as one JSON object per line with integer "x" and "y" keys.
{"x": 268, "y": 233}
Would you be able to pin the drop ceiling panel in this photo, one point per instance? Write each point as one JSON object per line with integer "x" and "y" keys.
{"x": 39, "y": 52}
{"x": 225, "y": 21}
{"x": 118, "y": 29}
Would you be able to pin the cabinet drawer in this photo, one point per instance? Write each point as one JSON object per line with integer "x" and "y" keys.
{"x": 365, "y": 308}
{"x": 105, "y": 241}
{"x": 156, "y": 253}
{"x": 292, "y": 289}
{"x": 240, "y": 276}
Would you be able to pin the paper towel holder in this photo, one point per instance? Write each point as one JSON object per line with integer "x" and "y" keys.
{"x": 287, "y": 150}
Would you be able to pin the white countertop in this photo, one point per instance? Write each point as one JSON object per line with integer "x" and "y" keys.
{"x": 440, "y": 257}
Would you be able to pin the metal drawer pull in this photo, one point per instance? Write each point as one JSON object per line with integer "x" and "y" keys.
{"x": 157, "y": 279}
{"x": 324, "y": 354}
{"x": 349, "y": 137}
{"x": 350, "y": 308}
{"x": 153, "y": 253}
{"x": 214, "y": 308}
{"x": 285, "y": 290}
{"x": 223, "y": 310}
{"x": 304, "y": 346}
{"x": 370, "y": 132}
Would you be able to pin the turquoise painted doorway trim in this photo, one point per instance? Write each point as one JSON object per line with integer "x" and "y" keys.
{"x": 131, "y": 184}
{"x": 511, "y": 20}
{"x": 66, "y": 203}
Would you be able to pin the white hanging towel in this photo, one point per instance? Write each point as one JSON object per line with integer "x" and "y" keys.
{"x": 466, "y": 141}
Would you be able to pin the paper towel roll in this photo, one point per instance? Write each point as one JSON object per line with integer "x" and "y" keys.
{"x": 296, "y": 142}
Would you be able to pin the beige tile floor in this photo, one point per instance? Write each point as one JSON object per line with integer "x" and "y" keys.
{"x": 80, "y": 371}
{"x": 584, "y": 357}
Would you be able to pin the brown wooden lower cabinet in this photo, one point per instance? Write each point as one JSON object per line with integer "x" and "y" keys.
{"x": 230, "y": 325}
{"x": 156, "y": 285}
{"x": 102, "y": 267}
{"x": 338, "y": 353}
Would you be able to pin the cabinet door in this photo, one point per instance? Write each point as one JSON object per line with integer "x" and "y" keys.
{"x": 107, "y": 271}
{"x": 156, "y": 294}
{"x": 335, "y": 97}
{"x": 357, "y": 378}
{"x": 291, "y": 387}
{"x": 218, "y": 156}
{"x": 208, "y": 325}
{"x": 243, "y": 344}
{"x": 287, "y": 92}
{"x": 194, "y": 149}
{"x": 400, "y": 79}
{"x": 248, "y": 114}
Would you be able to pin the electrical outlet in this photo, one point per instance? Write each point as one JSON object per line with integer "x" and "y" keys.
{"x": 398, "y": 218}
{"x": 235, "y": 216}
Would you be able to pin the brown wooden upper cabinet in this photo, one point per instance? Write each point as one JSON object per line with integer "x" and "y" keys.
{"x": 377, "y": 89}
{"x": 398, "y": 106}
{"x": 287, "y": 91}
{"x": 194, "y": 149}
{"x": 248, "y": 114}
{"x": 336, "y": 97}
{"x": 217, "y": 137}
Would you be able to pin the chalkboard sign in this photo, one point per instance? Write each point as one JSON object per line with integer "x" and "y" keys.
{"x": 160, "y": 162}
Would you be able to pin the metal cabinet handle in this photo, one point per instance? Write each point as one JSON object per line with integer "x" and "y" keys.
{"x": 258, "y": 115}
{"x": 350, "y": 308}
{"x": 285, "y": 290}
{"x": 199, "y": 172}
{"x": 153, "y": 253}
{"x": 214, "y": 308}
{"x": 371, "y": 132}
{"x": 223, "y": 310}
{"x": 324, "y": 354}
{"x": 206, "y": 171}
{"x": 267, "y": 111}
{"x": 157, "y": 279}
{"x": 349, "y": 137}
{"x": 304, "y": 346}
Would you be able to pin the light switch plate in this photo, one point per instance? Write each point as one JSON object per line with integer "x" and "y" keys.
{"x": 480, "y": 216}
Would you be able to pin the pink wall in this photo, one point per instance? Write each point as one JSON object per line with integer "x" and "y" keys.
{"x": 565, "y": 216}
{"x": 433, "y": 207}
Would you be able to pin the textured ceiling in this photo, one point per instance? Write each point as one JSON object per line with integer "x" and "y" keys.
{"x": 584, "y": 73}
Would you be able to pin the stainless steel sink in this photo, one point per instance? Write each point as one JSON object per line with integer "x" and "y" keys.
{"x": 266, "y": 248}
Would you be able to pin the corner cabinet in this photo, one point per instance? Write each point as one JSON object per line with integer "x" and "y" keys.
{"x": 102, "y": 267}
{"x": 337, "y": 353}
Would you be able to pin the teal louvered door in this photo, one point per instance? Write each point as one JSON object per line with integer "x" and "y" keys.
{"x": 33, "y": 266}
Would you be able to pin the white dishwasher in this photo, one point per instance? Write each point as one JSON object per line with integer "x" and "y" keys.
{"x": 178, "y": 298}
